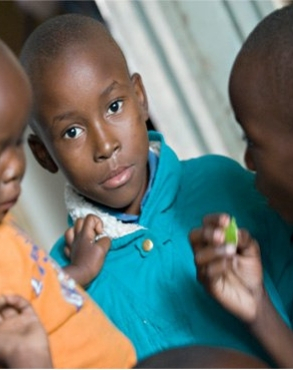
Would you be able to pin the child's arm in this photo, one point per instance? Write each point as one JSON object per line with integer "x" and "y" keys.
{"x": 23, "y": 340}
{"x": 86, "y": 253}
{"x": 235, "y": 279}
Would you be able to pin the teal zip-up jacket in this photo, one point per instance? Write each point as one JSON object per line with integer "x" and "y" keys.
{"x": 148, "y": 285}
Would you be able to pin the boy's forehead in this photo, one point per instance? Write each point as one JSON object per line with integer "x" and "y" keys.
{"x": 95, "y": 46}
{"x": 13, "y": 79}
{"x": 262, "y": 82}
{"x": 244, "y": 70}
{"x": 15, "y": 93}
{"x": 93, "y": 51}
{"x": 266, "y": 55}
{"x": 8, "y": 68}
{"x": 83, "y": 61}
{"x": 271, "y": 70}
{"x": 76, "y": 72}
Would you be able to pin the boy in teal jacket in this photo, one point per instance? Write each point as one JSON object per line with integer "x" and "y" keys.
{"x": 89, "y": 121}
{"x": 261, "y": 93}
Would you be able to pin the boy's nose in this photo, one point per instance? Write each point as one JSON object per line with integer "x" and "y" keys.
{"x": 14, "y": 167}
{"x": 106, "y": 144}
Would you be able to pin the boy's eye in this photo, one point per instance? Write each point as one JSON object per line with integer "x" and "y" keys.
{"x": 249, "y": 143}
{"x": 20, "y": 141}
{"x": 73, "y": 133}
{"x": 115, "y": 107}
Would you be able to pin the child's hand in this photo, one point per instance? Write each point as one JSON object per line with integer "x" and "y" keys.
{"x": 232, "y": 276}
{"x": 23, "y": 340}
{"x": 85, "y": 252}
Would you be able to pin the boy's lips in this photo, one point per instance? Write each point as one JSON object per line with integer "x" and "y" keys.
{"x": 5, "y": 206}
{"x": 118, "y": 177}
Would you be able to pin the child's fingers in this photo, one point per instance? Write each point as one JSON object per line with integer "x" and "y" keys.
{"x": 3, "y": 301}
{"x": 247, "y": 246}
{"x": 101, "y": 248}
{"x": 69, "y": 236}
{"x": 216, "y": 220}
{"x": 210, "y": 272}
{"x": 206, "y": 236}
{"x": 12, "y": 305}
{"x": 5, "y": 309}
{"x": 67, "y": 251}
{"x": 9, "y": 312}
{"x": 16, "y": 301}
{"x": 78, "y": 225}
{"x": 209, "y": 254}
{"x": 89, "y": 223}
{"x": 99, "y": 226}
{"x": 196, "y": 238}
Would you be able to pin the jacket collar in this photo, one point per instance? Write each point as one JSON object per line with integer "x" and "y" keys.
{"x": 162, "y": 195}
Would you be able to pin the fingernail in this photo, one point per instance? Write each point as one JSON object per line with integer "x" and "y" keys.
{"x": 219, "y": 235}
{"x": 98, "y": 237}
{"x": 230, "y": 249}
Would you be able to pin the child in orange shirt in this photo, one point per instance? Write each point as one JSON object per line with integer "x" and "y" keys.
{"x": 79, "y": 334}
{"x": 24, "y": 342}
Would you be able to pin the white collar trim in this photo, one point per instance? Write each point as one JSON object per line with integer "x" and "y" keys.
{"x": 77, "y": 206}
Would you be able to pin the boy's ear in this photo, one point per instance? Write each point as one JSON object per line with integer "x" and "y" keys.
{"x": 140, "y": 92}
{"x": 41, "y": 154}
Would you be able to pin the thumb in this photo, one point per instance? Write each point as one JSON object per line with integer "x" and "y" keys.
{"x": 69, "y": 236}
{"x": 104, "y": 243}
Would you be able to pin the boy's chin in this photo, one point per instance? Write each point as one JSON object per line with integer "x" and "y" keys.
{"x": 3, "y": 214}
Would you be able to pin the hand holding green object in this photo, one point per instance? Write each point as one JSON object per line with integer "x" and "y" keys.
{"x": 231, "y": 233}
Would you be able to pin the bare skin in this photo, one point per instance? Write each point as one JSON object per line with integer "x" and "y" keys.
{"x": 260, "y": 89}
{"x": 96, "y": 135}
{"x": 236, "y": 281}
{"x": 16, "y": 91}
{"x": 85, "y": 252}
{"x": 24, "y": 342}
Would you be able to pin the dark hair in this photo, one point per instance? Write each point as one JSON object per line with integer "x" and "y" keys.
{"x": 274, "y": 31}
{"x": 59, "y": 33}
{"x": 270, "y": 44}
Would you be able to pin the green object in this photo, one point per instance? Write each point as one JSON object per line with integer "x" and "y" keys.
{"x": 231, "y": 233}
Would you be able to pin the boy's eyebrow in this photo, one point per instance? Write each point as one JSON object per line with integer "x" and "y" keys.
{"x": 109, "y": 88}
{"x": 63, "y": 116}
{"x": 71, "y": 114}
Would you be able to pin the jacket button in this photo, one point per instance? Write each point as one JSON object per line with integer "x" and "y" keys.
{"x": 147, "y": 245}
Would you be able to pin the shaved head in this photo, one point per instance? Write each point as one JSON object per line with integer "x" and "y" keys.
{"x": 11, "y": 73}
{"x": 64, "y": 35}
{"x": 15, "y": 89}
{"x": 268, "y": 51}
